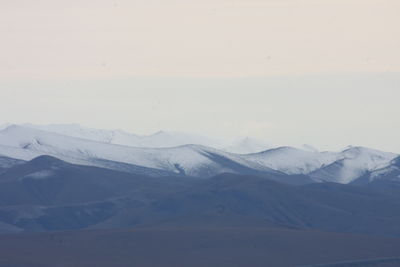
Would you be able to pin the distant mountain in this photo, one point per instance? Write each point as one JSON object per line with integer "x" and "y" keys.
{"x": 192, "y": 160}
{"x": 161, "y": 139}
{"x": 293, "y": 160}
{"x": 96, "y": 149}
{"x": 353, "y": 163}
{"x": 388, "y": 174}
{"x": 118, "y": 137}
{"x": 340, "y": 167}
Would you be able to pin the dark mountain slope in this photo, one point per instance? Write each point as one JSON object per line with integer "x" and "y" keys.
{"x": 232, "y": 198}
{"x": 6, "y": 163}
{"x": 49, "y": 194}
{"x": 49, "y": 181}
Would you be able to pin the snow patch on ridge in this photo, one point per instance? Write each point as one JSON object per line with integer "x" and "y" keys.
{"x": 292, "y": 160}
{"x": 44, "y": 174}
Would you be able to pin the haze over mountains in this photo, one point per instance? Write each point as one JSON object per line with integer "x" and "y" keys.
{"x": 157, "y": 140}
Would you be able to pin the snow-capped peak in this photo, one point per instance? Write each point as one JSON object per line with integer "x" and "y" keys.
{"x": 353, "y": 162}
{"x": 194, "y": 160}
{"x": 293, "y": 160}
{"x": 5, "y": 125}
{"x": 75, "y": 130}
{"x": 160, "y": 139}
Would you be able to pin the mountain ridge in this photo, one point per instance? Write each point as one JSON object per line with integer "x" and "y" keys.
{"x": 26, "y": 143}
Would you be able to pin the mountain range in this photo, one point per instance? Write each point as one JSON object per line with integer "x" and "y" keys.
{"x": 159, "y": 139}
{"x": 106, "y": 149}
{"x": 50, "y": 194}
{"x": 106, "y": 193}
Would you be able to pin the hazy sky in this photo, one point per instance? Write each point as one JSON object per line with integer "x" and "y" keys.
{"x": 324, "y": 72}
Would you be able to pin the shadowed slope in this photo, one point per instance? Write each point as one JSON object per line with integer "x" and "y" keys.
{"x": 255, "y": 200}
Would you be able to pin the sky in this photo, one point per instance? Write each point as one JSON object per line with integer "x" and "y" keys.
{"x": 321, "y": 72}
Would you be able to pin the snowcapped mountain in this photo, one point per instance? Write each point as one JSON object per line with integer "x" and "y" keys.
{"x": 340, "y": 167}
{"x": 161, "y": 139}
{"x": 100, "y": 148}
{"x": 26, "y": 143}
{"x": 118, "y": 137}
{"x": 293, "y": 160}
{"x": 5, "y": 125}
{"x": 352, "y": 164}
{"x": 390, "y": 173}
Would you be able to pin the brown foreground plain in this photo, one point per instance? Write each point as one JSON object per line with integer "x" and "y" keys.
{"x": 173, "y": 246}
